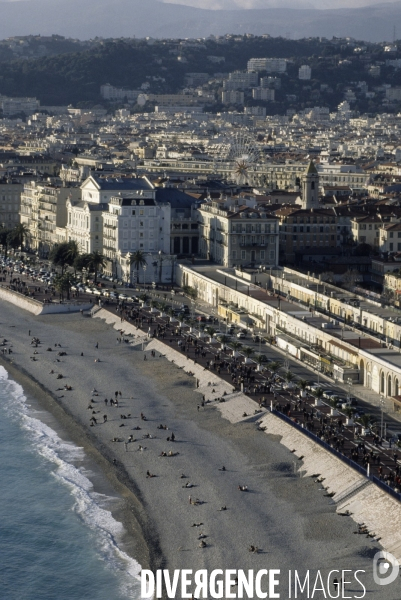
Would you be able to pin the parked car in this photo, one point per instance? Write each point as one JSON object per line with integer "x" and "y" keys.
{"x": 241, "y": 335}
{"x": 329, "y": 393}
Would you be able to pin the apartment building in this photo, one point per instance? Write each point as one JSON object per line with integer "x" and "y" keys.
{"x": 303, "y": 229}
{"x": 236, "y": 232}
{"x": 240, "y": 80}
{"x": 133, "y": 223}
{"x": 43, "y": 210}
{"x": 304, "y": 73}
{"x": 271, "y": 65}
{"x": 390, "y": 237}
{"x": 366, "y": 230}
{"x": 84, "y": 217}
{"x": 85, "y": 225}
{"x": 232, "y": 97}
{"x": 10, "y": 202}
{"x": 265, "y": 94}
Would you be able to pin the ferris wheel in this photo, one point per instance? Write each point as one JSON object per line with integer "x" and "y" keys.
{"x": 244, "y": 155}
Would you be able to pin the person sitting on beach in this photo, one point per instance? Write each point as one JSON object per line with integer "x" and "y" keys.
{"x": 222, "y": 468}
{"x": 131, "y": 438}
{"x": 141, "y": 448}
{"x": 188, "y": 485}
{"x": 148, "y": 474}
{"x": 253, "y": 549}
{"x": 243, "y": 488}
{"x": 163, "y": 453}
{"x": 143, "y": 417}
{"x": 223, "y": 508}
{"x": 171, "y": 453}
{"x": 202, "y": 544}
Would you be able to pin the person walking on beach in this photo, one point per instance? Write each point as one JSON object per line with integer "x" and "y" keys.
{"x": 97, "y": 345}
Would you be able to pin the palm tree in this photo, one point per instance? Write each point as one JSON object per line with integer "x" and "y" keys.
{"x": 289, "y": 376}
{"x": 247, "y": 351}
{"x": 211, "y": 331}
{"x": 318, "y": 393}
{"x": 162, "y": 307}
{"x": 144, "y": 297}
{"x": 235, "y": 346}
{"x": 63, "y": 284}
{"x": 95, "y": 262}
{"x": 260, "y": 359}
{"x": 72, "y": 252}
{"x": 19, "y": 233}
{"x": 5, "y": 239}
{"x": 365, "y": 420}
{"x": 303, "y": 384}
{"x": 154, "y": 304}
{"x": 349, "y": 411}
{"x": 274, "y": 367}
{"x": 139, "y": 261}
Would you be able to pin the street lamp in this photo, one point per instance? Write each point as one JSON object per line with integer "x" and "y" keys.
{"x": 144, "y": 278}
{"x": 160, "y": 266}
{"x": 349, "y": 382}
{"x": 382, "y": 401}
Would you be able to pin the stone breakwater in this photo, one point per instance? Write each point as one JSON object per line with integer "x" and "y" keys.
{"x": 379, "y": 511}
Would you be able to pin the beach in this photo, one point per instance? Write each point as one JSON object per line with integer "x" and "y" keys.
{"x": 284, "y": 515}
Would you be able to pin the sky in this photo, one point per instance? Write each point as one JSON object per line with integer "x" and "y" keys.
{"x": 236, "y": 4}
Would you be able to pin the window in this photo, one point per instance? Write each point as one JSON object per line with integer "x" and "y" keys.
{"x": 262, "y": 255}
{"x": 140, "y": 223}
{"x": 234, "y": 254}
{"x": 133, "y": 212}
{"x": 243, "y": 254}
{"x": 272, "y": 254}
{"x": 391, "y": 234}
{"x": 141, "y": 211}
{"x": 272, "y": 239}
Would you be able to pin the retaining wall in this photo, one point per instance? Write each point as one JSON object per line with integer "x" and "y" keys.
{"x": 38, "y": 308}
{"x": 368, "y": 504}
{"x": 29, "y": 304}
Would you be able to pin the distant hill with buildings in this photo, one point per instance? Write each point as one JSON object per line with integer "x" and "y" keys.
{"x": 85, "y": 19}
{"x": 218, "y": 74}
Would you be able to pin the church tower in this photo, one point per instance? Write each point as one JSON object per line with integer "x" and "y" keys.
{"x": 310, "y": 187}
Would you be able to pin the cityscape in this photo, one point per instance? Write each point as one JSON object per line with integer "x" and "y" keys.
{"x": 230, "y": 208}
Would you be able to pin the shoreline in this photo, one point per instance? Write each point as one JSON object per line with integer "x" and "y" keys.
{"x": 145, "y": 550}
{"x": 281, "y": 513}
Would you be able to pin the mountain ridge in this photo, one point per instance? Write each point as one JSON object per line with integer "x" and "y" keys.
{"x": 86, "y": 19}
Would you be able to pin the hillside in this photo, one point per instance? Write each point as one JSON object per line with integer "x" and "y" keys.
{"x": 76, "y": 77}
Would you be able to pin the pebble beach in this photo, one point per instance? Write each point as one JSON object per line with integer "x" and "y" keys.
{"x": 287, "y": 517}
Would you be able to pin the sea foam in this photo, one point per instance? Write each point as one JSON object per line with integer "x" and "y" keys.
{"x": 90, "y": 506}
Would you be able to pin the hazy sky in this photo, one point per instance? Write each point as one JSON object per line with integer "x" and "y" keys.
{"x": 233, "y": 4}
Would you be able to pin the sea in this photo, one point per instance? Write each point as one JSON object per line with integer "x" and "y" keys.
{"x": 58, "y": 537}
